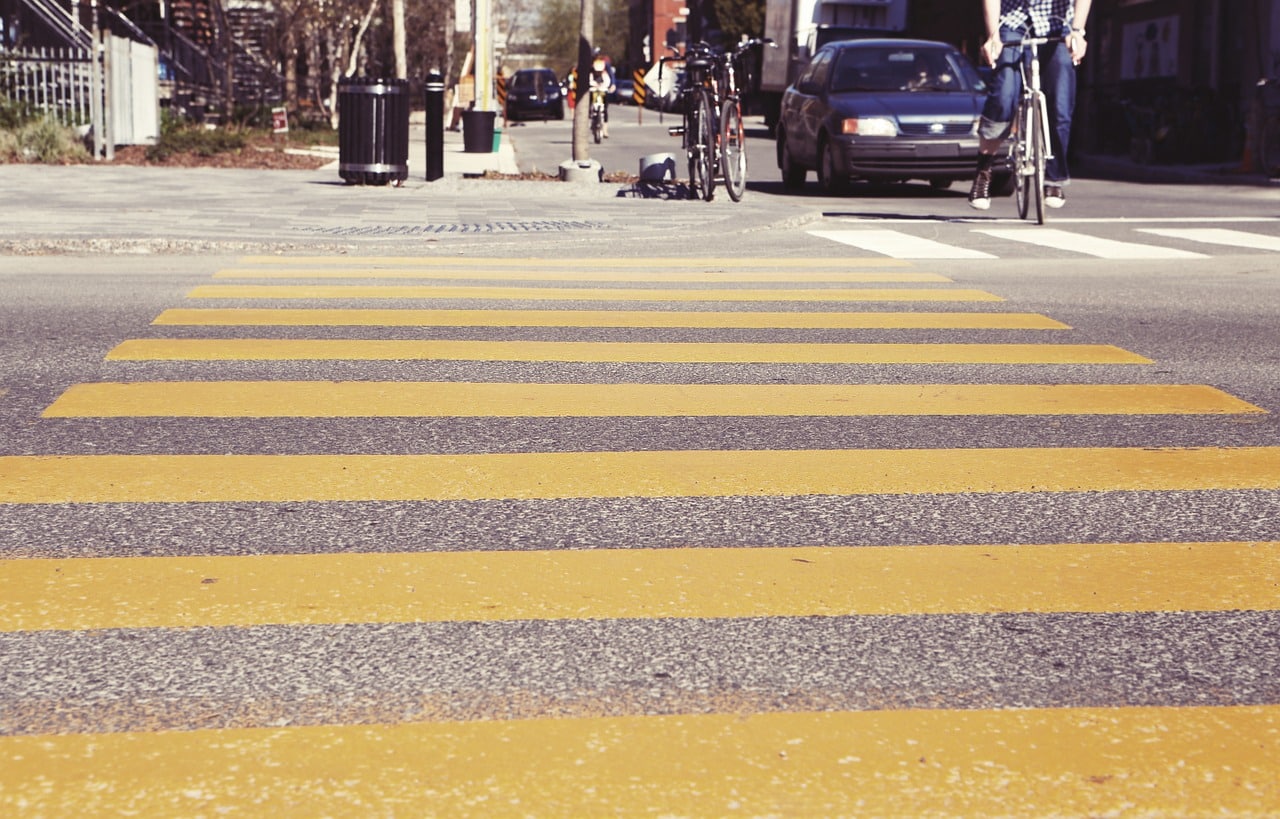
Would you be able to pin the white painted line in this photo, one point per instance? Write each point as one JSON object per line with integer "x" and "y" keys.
{"x": 1057, "y": 220}
{"x": 1220, "y": 236}
{"x": 1090, "y": 245}
{"x": 899, "y": 245}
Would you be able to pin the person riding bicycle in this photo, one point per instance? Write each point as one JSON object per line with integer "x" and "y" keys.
{"x": 602, "y": 79}
{"x": 1009, "y": 21}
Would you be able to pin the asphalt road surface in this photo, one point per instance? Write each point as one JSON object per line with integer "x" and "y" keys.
{"x": 867, "y": 509}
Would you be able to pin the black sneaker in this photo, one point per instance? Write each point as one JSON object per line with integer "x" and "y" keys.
{"x": 980, "y": 193}
{"x": 1054, "y": 197}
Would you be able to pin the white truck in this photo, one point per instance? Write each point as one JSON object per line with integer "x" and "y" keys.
{"x": 801, "y": 27}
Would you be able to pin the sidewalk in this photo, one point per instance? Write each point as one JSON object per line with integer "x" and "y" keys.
{"x": 1124, "y": 169}
{"x": 122, "y": 209}
{"x": 457, "y": 161}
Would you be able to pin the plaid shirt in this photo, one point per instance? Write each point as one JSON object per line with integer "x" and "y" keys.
{"x": 1044, "y": 17}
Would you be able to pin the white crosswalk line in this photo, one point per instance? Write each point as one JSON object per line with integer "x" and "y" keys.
{"x": 1220, "y": 236}
{"x": 899, "y": 245}
{"x": 1089, "y": 245}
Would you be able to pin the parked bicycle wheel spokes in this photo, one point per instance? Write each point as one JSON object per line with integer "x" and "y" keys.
{"x": 701, "y": 145}
{"x": 733, "y": 149}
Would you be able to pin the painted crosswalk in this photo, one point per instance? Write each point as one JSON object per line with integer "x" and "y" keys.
{"x": 541, "y": 744}
{"x": 101, "y": 593}
{"x": 1070, "y": 238}
{"x": 35, "y": 479}
{"x": 1091, "y": 245}
{"x": 638, "y": 319}
{"x": 1220, "y": 236}
{"x": 889, "y": 762}
{"x": 613, "y": 294}
{"x": 402, "y": 399}
{"x": 269, "y": 349}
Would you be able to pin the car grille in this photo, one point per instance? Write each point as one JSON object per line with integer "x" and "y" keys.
{"x": 926, "y": 128}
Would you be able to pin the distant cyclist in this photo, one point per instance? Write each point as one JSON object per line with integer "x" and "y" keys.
{"x": 602, "y": 79}
{"x": 1009, "y": 21}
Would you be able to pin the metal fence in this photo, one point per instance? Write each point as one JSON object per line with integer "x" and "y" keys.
{"x": 57, "y": 81}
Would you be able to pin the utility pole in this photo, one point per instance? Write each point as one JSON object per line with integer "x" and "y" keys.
{"x": 96, "y": 114}
{"x": 482, "y": 33}
{"x": 582, "y": 97}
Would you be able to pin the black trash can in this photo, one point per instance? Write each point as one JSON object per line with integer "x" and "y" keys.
{"x": 373, "y": 130}
{"x": 477, "y": 131}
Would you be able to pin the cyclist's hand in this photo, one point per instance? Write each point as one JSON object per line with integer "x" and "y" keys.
{"x": 1078, "y": 46}
{"x": 991, "y": 49}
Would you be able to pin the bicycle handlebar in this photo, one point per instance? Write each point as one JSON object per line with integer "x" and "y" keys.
{"x": 1035, "y": 41}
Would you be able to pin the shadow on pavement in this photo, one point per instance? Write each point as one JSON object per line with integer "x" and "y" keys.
{"x": 657, "y": 190}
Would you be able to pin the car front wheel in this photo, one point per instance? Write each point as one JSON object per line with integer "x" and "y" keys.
{"x": 831, "y": 177}
{"x": 793, "y": 174}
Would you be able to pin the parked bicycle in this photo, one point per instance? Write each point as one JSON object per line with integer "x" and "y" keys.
{"x": 698, "y": 127}
{"x": 1031, "y": 146}
{"x": 732, "y": 146}
{"x": 712, "y": 131}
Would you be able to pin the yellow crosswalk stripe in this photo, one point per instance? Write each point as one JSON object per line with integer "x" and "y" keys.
{"x": 274, "y": 349}
{"x": 183, "y": 592}
{"x": 722, "y": 294}
{"x": 41, "y": 479}
{"x": 342, "y": 399}
{"x": 587, "y": 274}
{"x": 407, "y": 317}
{"x": 727, "y": 263}
{"x": 1024, "y": 762}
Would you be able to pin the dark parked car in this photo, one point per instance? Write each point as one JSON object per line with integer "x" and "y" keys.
{"x": 534, "y": 93}
{"x": 882, "y": 110}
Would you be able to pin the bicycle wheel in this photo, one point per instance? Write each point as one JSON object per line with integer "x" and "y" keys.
{"x": 700, "y": 135}
{"x": 1039, "y": 153}
{"x": 597, "y": 126}
{"x": 733, "y": 150}
{"x": 1022, "y": 163}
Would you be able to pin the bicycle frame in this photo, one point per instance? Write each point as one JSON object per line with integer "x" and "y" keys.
{"x": 1032, "y": 144}
{"x": 1030, "y": 65}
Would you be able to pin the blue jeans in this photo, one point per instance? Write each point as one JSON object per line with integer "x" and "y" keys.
{"x": 1057, "y": 80}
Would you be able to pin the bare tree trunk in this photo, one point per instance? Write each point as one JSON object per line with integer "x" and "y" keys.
{"x": 353, "y": 58}
{"x": 358, "y": 40}
{"x": 581, "y": 94}
{"x": 398, "y": 39}
{"x": 291, "y": 69}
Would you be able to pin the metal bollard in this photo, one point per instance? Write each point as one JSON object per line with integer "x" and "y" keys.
{"x": 435, "y": 125}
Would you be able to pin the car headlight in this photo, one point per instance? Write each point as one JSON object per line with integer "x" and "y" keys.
{"x": 869, "y": 126}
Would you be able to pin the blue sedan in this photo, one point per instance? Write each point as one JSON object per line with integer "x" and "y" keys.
{"x": 883, "y": 111}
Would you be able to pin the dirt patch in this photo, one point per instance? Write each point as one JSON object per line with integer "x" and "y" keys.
{"x": 253, "y": 157}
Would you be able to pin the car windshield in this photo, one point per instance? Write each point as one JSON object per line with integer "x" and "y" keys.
{"x": 526, "y": 81}
{"x": 899, "y": 69}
